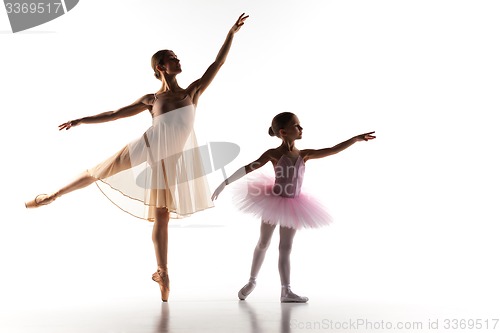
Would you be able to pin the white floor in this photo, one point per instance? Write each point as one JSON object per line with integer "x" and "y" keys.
{"x": 93, "y": 274}
{"x": 225, "y": 315}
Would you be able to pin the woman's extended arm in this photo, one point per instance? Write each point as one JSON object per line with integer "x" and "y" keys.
{"x": 127, "y": 111}
{"x": 202, "y": 84}
{"x": 266, "y": 157}
{"x": 320, "y": 153}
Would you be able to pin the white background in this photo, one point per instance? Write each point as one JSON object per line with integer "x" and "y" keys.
{"x": 416, "y": 210}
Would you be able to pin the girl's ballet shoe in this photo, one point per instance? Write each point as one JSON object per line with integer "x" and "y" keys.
{"x": 40, "y": 200}
{"x": 287, "y": 296}
{"x": 246, "y": 290}
{"x": 164, "y": 282}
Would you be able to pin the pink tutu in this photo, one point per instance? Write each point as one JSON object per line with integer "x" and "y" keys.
{"x": 280, "y": 201}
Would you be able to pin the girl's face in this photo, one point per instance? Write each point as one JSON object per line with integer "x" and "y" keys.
{"x": 171, "y": 64}
{"x": 293, "y": 130}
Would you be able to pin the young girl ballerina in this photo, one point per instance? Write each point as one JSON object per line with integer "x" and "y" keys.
{"x": 281, "y": 202}
{"x": 162, "y": 170}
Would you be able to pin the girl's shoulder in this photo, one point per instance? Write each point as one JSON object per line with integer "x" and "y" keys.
{"x": 276, "y": 154}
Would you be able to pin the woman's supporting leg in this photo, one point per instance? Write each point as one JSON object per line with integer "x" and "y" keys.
{"x": 160, "y": 241}
{"x": 266, "y": 233}
{"x": 285, "y": 249}
{"x": 160, "y": 237}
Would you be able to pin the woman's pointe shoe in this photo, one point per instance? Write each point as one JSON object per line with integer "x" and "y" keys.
{"x": 40, "y": 200}
{"x": 246, "y": 290}
{"x": 287, "y": 296}
{"x": 162, "y": 278}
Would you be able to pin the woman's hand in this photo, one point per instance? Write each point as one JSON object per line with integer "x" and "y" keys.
{"x": 67, "y": 125}
{"x": 239, "y": 23}
{"x": 365, "y": 137}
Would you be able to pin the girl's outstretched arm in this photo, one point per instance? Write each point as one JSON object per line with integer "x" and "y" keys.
{"x": 263, "y": 159}
{"x": 320, "y": 153}
{"x": 202, "y": 84}
{"x": 127, "y": 111}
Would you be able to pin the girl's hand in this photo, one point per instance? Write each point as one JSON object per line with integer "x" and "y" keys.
{"x": 69, "y": 124}
{"x": 239, "y": 23}
{"x": 365, "y": 137}
{"x": 218, "y": 191}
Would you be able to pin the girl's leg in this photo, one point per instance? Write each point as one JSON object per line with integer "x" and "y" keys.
{"x": 285, "y": 249}
{"x": 160, "y": 241}
{"x": 266, "y": 233}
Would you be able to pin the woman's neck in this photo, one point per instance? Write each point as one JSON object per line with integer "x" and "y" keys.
{"x": 169, "y": 83}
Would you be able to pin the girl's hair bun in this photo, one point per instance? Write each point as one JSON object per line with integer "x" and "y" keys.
{"x": 279, "y": 122}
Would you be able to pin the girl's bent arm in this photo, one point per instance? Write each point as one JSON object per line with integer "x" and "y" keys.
{"x": 127, "y": 111}
{"x": 320, "y": 153}
{"x": 266, "y": 157}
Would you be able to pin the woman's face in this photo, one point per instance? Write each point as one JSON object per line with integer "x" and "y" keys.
{"x": 171, "y": 64}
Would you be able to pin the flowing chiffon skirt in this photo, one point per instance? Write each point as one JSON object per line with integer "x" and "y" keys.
{"x": 164, "y": 168}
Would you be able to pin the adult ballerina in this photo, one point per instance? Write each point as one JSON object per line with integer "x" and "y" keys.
{"x": 170, "y": 180}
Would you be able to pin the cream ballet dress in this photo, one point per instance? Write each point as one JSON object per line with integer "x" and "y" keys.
{"x": 163, "y": 168}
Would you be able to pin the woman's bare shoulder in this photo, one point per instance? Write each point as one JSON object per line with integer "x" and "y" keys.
{"x": 147, "y": 99}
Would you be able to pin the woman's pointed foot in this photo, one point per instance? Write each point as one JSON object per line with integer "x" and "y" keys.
{"x": 41, "y": 200}
{"x": 162, "y": 278}
{"x": 246, "y": 290}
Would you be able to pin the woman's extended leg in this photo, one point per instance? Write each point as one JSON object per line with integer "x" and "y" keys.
{"x": 160, "y": 240}
{"x": 116, "y": 163}
{"x": 84, "y": 180}
{"x": 266, "y": 233}
{"x": 285, "y": 249}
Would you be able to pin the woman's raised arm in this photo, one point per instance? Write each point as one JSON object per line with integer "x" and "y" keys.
{"x": 202, "y": 84}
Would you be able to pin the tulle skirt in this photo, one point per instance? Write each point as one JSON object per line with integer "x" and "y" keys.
{"x": 163, "y": 168}
{"x": 255, "y": 196}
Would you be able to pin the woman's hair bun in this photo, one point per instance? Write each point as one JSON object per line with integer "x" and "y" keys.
{"x": 271, "y": 132}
